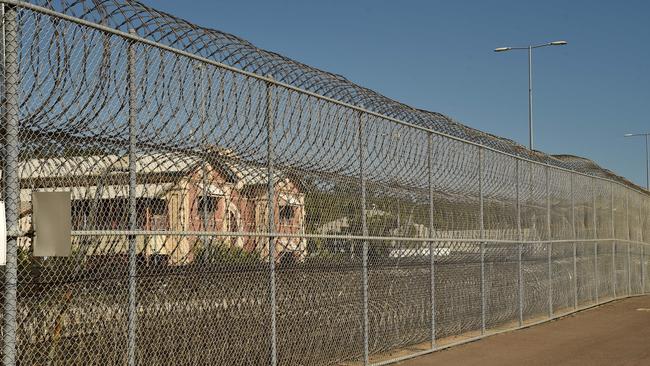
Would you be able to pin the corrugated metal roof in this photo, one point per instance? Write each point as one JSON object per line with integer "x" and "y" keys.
{"x": 99, "y": 165}
{"x": 178, "y": 164}
{"x": 151, "y": 190}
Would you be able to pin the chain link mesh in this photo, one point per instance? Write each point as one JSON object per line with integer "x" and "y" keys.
{"x": 221, "y": 217}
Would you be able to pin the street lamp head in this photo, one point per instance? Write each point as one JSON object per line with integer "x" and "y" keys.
{"x": 558, "y": 43}
{"x": 502, "y": 49}
{"x": 628, "y": 135}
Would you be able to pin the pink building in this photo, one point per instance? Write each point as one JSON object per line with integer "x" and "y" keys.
{"x": 176, "y": 193}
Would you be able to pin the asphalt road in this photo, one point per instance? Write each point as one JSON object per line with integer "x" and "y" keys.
{"x": 616, "y": 333}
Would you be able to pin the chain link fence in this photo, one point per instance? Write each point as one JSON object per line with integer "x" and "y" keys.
{"x": 223, "y": 217}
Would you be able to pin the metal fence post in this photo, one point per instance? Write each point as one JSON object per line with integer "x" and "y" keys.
{"x": 595, "y": 232}
{"x": 364, "y": 228}
{"x": 550, "y": 244}
{"x": 644, "y": 213}
{"x": 431, "y": 243}
{"x": 204, "y": 172}
{"x": 640, "y": 245}
{"x": 629, "y": 270}
{"x": 643, "y": 268}
{"x": 611, "y": 185}
{"x": 482, "y": 233}
{"x": 133, "y": 219}
{"x": 596, "y": 280}
{"x": 627, "y": 225}
{"x": 270, "y": 157}
{"x": 520, "y": 248}
{"x": 575, "y": 245}
{"x": 11, "y": 178}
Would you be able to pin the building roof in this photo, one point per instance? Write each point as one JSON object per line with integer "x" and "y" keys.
{"x": 73, "y": 172}
{"x": 104, "y": 165}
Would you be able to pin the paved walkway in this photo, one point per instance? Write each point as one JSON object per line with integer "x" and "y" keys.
{"x": 617, "y": 333}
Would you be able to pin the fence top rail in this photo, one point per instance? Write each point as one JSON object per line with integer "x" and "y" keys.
{"x": 342, "y": 237}
{"x": 136, "y": 38}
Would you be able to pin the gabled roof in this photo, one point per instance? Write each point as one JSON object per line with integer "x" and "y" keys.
{"x": 103, "y": 165}
{"x": 178, "y": 165}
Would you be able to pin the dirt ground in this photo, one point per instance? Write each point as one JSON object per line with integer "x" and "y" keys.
{"x": 617, "y": 333}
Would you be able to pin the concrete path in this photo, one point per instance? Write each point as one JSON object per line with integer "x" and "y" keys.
{"x": 617, "y": 333}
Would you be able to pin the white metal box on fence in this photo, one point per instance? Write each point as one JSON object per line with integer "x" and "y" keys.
{"x": 52, "y": 224}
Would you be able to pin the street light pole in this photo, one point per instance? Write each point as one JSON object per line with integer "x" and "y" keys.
{"x": 530, "y": 81}
{"x": 647, "y": 156}
{"x": 530, "y": 98}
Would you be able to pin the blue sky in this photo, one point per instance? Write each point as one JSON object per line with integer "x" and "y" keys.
{"x": 437, "y": 55}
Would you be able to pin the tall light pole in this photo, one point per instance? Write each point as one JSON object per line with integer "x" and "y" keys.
{"x": 647, "y": 156}
{"x": 530, "y": 80}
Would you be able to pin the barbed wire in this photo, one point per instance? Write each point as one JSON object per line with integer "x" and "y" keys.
{"x": 229, "y": 49}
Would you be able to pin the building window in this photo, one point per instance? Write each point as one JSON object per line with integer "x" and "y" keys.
{"x": 100, "y": 214}
{"x": 157, "y": 212}
{"x": 286, "y": 214}
{"x": 233, "y": 221}
{"x": 207, "y": 206}
{"x": 81, "y": 215}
